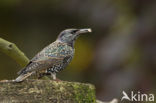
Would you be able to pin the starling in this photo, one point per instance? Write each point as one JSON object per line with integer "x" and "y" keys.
{"x": 53, "y": 58}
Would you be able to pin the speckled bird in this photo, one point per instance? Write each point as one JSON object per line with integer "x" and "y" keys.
{"x": 53, "y": 58}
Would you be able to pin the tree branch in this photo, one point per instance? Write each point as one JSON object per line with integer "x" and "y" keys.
{"x": 14, "y": 52}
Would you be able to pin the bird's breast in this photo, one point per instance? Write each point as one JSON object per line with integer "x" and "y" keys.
{"x": 59, "y": 50}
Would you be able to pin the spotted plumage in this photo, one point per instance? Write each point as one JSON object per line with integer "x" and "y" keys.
{"x": 53, "y": 58}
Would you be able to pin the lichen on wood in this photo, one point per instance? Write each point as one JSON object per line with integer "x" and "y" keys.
{"x": 46, "y": 91}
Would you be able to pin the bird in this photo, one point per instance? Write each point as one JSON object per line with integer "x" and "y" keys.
{"x": 54, "y": 57}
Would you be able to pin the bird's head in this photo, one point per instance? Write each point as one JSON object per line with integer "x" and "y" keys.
{"x": 70, "y": 35}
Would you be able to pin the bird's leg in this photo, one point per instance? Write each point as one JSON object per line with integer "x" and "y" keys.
{"x": 53, "y": 75}
{"x": 41, "y": 75}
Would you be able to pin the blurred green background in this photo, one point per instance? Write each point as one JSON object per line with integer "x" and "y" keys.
{"x": 118, "y": 55}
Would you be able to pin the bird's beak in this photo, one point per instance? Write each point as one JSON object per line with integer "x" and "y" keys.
{"x": 84, "y": 31}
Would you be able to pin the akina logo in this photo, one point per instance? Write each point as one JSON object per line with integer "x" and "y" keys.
{"x": 137, "y": 97}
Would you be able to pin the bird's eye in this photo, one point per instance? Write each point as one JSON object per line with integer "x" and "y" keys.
{"x": 74, "y": 31}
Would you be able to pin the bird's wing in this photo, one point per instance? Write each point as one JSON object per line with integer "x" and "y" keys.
{"x": 46, "y": 58}
{"x": 38, "y": 65}
{"x": 43, "y": 63}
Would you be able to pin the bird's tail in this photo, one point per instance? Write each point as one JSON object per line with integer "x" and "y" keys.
{"x": 23, "y": 76}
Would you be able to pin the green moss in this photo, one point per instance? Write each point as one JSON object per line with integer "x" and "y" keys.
{"x": 81, "y": 91}
{"x": 45, "y": 91}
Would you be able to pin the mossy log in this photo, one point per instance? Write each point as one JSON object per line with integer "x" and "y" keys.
{"x": 46, "y": 91}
